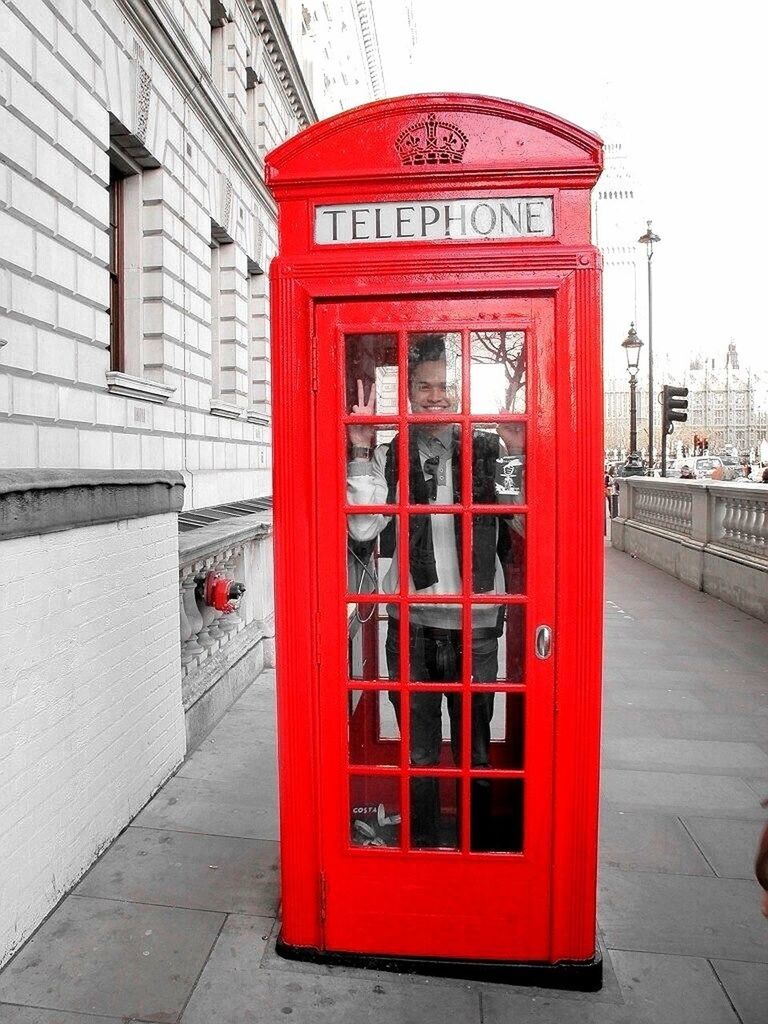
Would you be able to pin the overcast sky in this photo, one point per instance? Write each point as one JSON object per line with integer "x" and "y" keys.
{"x": 688, "y": 82}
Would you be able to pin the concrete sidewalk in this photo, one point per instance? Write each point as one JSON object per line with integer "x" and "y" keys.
{"x": 176, "y": 921}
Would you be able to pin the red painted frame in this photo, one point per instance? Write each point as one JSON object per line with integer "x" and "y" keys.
{"x": 512, "y": 150}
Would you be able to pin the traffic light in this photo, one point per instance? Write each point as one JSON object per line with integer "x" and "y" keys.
{"x": 675, "y": 407}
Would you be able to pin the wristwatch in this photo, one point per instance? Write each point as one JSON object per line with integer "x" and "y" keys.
{"x": 360, "y": 451}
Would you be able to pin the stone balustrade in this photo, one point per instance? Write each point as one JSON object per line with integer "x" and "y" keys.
{"x": 222, "y": 652}
{"x": 711, "y": 534}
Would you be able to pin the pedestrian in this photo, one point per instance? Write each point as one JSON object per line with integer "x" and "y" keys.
{"x": 435, "y": 567}
{"x": 686, "y": 473}
{"x": 761, "y": 864}
{"x": 765, "y": 475}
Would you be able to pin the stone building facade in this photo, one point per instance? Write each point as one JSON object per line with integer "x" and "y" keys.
{"x": 136, "y": 234}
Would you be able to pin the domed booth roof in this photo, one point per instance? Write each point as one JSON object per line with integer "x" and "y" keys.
{"x": 445, "y": 136}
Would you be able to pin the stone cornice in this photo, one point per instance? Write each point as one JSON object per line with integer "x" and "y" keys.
{"x": 38, "y": 501}
{"x": 187, "y": 71}
{"x": 367, "y": 25}
{"x": 280, "y": 50}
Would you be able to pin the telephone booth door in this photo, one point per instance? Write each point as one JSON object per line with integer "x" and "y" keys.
{"x": 438, "y": 631}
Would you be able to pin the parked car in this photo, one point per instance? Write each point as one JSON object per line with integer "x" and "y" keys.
{"x": 732, "y": 467}
{"x": 704, "y": 466}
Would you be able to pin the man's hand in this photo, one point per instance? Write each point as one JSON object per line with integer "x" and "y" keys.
{"x": 364, "y": 434}
{"x": 513, "y": 437}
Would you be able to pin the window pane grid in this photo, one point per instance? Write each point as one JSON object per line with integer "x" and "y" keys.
{"x": 403, "y": 601}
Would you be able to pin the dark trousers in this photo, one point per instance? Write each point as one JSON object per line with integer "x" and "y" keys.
{"x": 435, "y": 656}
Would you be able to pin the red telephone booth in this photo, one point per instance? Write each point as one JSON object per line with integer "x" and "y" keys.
{"x": 438, "y": 539}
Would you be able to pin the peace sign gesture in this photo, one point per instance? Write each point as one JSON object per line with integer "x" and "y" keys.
{"x": 364, "y": 433}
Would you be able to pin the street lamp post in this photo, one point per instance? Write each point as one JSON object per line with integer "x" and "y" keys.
{"x": 648, "y": 239}
{"x": 632, "y": 346}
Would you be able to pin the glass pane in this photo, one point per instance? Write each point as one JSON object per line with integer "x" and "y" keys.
{"x": 367, "y": 745}
{"x": 496, "y": 815}
{"x": 498, "y": 554}
{"x": 435, "y": 643}
{"x": 497, "y": 371}
{"x": 434, "y": 471}
{"x": 498, "y": 643}
{"x": 374, "y": 810}
{"x": 366, "y": 647}
{"x": 434, "y": 372}
{"x": 497, "y": 729}
{"x": 435, "y": 729}
{"x": 434, "y": 555}
{"x": 371, "y": 374}
{"x": 372, "y": 567}
{"x": 371, "y": 471}
{"x": 498, "y": 464}
{"x": 435, "y": 806}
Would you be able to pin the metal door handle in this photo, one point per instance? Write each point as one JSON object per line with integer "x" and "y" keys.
{"x": 543, "y": 642}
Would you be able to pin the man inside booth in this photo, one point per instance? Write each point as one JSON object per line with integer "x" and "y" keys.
{"x": 435, "y": 567}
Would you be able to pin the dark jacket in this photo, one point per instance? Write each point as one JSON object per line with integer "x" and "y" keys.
{"x": 487, "y": 540}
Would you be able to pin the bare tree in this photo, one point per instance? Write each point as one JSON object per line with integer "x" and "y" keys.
{"x": 506, "y": 348}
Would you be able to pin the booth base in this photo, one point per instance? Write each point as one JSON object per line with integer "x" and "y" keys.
{"x": 573, "y": 975}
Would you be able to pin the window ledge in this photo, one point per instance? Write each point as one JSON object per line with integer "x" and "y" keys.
{"x": 255, "y": 416}
{"x": 138, "y": 387}
{"x": 232, "y": 412}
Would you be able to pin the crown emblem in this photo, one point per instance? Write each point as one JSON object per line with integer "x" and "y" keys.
{"x": 431, "y": 142}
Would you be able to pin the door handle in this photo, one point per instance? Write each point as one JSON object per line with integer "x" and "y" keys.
{"x": 543, "y": 642}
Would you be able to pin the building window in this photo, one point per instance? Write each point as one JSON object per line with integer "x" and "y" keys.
{"x": 219, "y": 21}
{"x": 260, "y": 384}
{"x": 226, "y": 399}
{"x": 116, "y": 271}
{"x": 215, "y": 319}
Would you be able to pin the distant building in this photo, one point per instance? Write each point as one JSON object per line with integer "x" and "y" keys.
{"x": 727, "y": 405}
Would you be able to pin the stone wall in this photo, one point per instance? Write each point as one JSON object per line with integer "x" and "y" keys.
{"x": 91, "y": 719}
{"x": 187, "y": 106}
{"x": 709, "y": 534}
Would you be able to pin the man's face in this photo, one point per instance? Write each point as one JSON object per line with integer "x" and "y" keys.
{"x": 429, "y": 390}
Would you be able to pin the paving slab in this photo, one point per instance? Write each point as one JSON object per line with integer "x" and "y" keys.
{"x": 632, "y": 721}
{"x": 709, "y": 756}
{"x": 656, "y": 699}
{"x": 750, "y": 702}
{"x": 115, "y": 959}
{"x": 680, "y": 792}
{"x": 674, "y": 989}
{"x": 709, "y": 726}
{"x": 31, "y": 1015}
{"x": 505, "y": 1007}
{"x": 237, "y": 764}
{"x": 214, "y": 808}
{"x": 178, "y": 869}
{"x": 261, "y": 694}
{"x": 760, "y": 788}
{"x": 645, "y": 841}
{"x": 728, "y": 844}
{"x": 682, "y": 914}
{"x": 234, "y": 989}
{"x": 747, "y": 988}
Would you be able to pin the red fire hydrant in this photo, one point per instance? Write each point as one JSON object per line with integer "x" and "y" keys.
{"x": 220, "y": 592}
